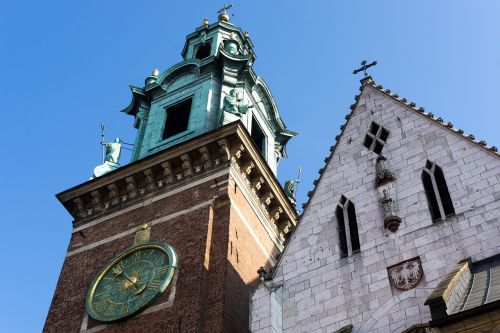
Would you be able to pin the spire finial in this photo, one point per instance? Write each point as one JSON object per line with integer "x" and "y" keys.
{"x": 223, "y": 15}
{"x": 156, "y": 72}
{"x": 205, "y": 21}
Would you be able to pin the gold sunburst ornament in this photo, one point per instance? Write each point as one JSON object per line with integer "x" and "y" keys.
{"x": 131, "y": 281}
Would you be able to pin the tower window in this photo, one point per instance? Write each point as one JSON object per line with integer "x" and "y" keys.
{"x": 376, "y": 137}
{"x": 177, "y": 118}
{"x": 203, "y": 50}
{"x": 258, "y": 137}
{"x": 347, "y": 227}
{"x": 436, "y": 191}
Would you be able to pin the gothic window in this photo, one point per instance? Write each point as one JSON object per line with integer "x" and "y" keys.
{"x": 347, "y": 227}
{"x": 177, "y": 118}
{"x": 203, "y": 50}
{"x": 438, "y": 197}
{"x": 258, "y": 137}
{"x": 375, "y": 138}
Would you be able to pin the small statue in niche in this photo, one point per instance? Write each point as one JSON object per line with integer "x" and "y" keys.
{"x": 234, "y": 104}
{"x": 391, "y": 220}
{"x": 384, "y": 174}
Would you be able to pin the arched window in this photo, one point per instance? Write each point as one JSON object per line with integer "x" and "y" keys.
{"x": 347, "y": 227}
{"x": 438, "y": 197}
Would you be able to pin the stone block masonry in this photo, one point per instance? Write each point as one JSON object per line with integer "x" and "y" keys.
{"x": 323, "y": 292}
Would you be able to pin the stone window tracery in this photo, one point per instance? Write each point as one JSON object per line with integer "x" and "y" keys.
{"x": 376, "y": 138}
{"x": 347, "y": 227}
{"x": 436, "y": 191}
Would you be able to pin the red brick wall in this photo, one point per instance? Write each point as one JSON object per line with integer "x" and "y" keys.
{"x": 218, "y": 262}
{"x": 244, "y": 259}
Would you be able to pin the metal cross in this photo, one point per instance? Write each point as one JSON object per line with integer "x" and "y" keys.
{"x": 225, "y": 8}
{"x": 364, "y": 67}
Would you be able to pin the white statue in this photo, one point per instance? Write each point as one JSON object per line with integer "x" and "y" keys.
{"x": 111, "y": 161}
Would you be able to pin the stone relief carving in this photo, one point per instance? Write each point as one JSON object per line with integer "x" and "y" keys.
{"x": 406, "y": 275}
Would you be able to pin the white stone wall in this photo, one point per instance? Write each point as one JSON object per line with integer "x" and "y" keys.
{"x": 323, "y": 292}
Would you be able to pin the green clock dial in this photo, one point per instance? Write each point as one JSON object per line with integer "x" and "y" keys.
{"x": 131, "y": 281}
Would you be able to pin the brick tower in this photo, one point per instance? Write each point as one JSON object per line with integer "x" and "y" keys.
{"x": 202, "y": 180}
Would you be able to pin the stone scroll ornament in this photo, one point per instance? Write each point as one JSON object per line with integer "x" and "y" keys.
{"x": 406, "y": 275}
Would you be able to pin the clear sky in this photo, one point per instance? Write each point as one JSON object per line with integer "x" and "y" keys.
{"x": 65, "y": 67}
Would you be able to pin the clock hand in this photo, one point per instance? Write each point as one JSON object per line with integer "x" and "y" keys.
{"x": 120, "y": 271}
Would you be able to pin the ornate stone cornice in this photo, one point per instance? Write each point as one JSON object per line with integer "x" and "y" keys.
{"x": 228, "y": 146}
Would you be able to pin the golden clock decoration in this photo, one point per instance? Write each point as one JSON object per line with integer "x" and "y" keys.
{"x": 131, "y": 281}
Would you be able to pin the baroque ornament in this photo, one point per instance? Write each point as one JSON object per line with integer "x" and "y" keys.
{"x": 406, "y": 275}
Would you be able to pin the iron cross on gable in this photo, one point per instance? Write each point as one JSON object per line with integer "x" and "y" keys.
{"x": 225, "y": 8}
{"x": 364, "y": 66}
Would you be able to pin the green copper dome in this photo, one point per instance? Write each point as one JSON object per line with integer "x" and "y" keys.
{"x": 213, "y": 85}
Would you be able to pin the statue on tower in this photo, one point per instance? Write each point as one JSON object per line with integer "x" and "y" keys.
{"x": 234, "y": 104}
{"x": 290, "y": 188}
{"x": 111, "y": 158}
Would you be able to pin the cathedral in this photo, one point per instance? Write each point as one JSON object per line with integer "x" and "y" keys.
{"x": 401, "y": 232}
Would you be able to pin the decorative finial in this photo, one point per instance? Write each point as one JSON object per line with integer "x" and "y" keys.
{"x": 364, "y": 67}
{"x": 223, "y": 15}
{"x": 205, "y": 21}
{"x": 152, "y": 78}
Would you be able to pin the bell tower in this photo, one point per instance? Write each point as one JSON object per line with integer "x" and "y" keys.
{"x": 213, "y": 85}
{"x": 200, "y": 190}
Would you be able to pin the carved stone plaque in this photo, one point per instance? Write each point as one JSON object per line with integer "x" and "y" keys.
{"x": 406, "y": 275}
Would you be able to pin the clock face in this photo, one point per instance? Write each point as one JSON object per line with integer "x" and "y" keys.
{"x": 131, "y": 281}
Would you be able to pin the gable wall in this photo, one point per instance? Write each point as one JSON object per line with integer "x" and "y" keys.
{"x": 323, "y": 292}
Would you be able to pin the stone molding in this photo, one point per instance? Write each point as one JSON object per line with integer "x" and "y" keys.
{"x": 229, "y": 146}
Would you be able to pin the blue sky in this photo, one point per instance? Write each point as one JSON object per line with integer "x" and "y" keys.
{"x": 65, "y": 67}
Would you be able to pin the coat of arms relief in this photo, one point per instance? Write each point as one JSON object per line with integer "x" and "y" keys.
{"x": 406, "y": 275}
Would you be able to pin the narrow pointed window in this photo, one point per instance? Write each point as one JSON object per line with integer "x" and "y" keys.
{"x": 347, "y": 227}
{"x": 438, "y": 196}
